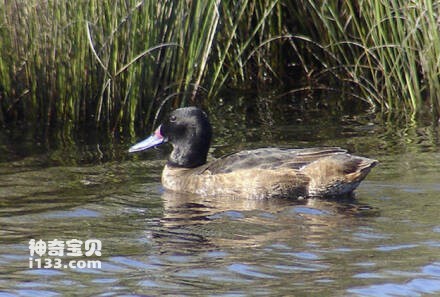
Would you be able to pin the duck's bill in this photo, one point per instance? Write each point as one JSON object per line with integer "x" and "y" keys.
{"x": 155, "y": 139}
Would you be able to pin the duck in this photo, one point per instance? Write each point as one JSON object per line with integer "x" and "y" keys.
{"x": 262, "y": 173}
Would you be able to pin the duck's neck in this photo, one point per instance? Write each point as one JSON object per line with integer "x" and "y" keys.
{"x": 189, "y": 155}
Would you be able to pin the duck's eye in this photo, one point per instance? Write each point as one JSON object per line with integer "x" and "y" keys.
{"x": 173, "y": 118}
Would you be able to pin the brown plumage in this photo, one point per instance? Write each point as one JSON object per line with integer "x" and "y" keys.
{"x": 255, "y": 174}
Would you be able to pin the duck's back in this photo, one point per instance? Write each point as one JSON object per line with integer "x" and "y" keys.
{"x": 274, "y": 172}
{"x": 269, "y": 158}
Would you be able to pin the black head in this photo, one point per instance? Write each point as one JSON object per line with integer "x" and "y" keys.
{"x": 189, "y": 132}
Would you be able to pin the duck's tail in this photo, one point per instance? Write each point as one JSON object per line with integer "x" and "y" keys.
{"x": 338, "y": 174}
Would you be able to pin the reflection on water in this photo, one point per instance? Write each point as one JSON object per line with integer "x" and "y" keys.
{"x": 384, "y": 242}
{"x": 252, "y": 223}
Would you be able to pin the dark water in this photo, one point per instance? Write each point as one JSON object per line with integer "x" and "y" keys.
{"x": 386, "y": 242}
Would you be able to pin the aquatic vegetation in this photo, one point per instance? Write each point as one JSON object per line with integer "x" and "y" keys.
{"x": 112, "y": 64}
{"x": 389, "y": 49}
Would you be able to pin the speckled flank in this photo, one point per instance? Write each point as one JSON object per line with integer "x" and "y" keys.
{"x": 246, "y": 183}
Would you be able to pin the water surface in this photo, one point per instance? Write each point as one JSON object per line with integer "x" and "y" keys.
{"x": 385, "y": 242}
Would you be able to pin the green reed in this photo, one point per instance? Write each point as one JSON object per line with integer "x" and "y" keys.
{"x": 388, "y": 49}
{"x": 114, "y": 63}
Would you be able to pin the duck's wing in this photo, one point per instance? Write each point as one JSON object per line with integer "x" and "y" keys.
{"x": 269, "y": 158}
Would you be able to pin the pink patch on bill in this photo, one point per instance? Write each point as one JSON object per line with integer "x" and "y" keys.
{"x": 157, "y": 133}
